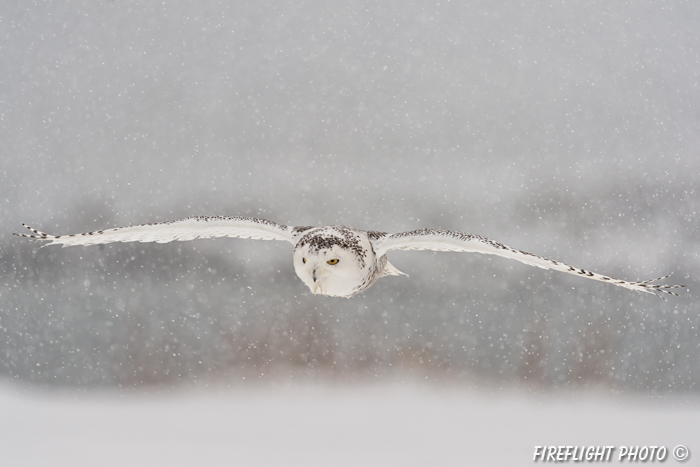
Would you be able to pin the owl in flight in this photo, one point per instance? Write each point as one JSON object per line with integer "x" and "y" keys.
{"x": 337, "y": 261}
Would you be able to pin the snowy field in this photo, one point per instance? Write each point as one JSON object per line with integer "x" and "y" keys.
{"x": 388, "y": 424}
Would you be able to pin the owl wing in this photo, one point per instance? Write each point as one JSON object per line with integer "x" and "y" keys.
{"x": 190, "y": 228}
{"x": 446, "y": 240}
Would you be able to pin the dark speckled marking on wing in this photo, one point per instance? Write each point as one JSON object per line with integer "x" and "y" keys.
{"x": 374, "y": 235}
{"x": 300, "y": 229}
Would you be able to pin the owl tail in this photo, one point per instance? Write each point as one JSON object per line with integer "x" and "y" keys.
{"x": 390, "y": 270}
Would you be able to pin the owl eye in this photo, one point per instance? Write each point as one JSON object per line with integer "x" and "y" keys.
{"x": 333, "y": 261}
{"x": 304, "y": 260}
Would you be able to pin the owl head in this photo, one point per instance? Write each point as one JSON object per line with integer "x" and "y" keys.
{"x": 333, "y": 260}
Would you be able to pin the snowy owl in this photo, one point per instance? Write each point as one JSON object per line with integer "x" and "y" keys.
{"x": 337, "y": 261}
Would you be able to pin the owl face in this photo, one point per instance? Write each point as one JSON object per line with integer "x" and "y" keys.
{"x": 334, "y": 263}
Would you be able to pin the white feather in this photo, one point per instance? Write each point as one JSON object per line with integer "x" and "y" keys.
{"x": 447, "y": 240}
{"x": 182, "y": 230}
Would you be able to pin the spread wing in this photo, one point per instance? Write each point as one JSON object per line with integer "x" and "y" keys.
{"x": 190, "y": 228}
{"x": 446, "y": 240}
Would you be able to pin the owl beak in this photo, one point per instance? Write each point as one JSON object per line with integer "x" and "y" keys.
{"x": 317, "y": 285}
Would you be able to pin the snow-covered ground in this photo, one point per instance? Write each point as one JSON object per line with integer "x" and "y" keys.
{"x": 390, "y": 424}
